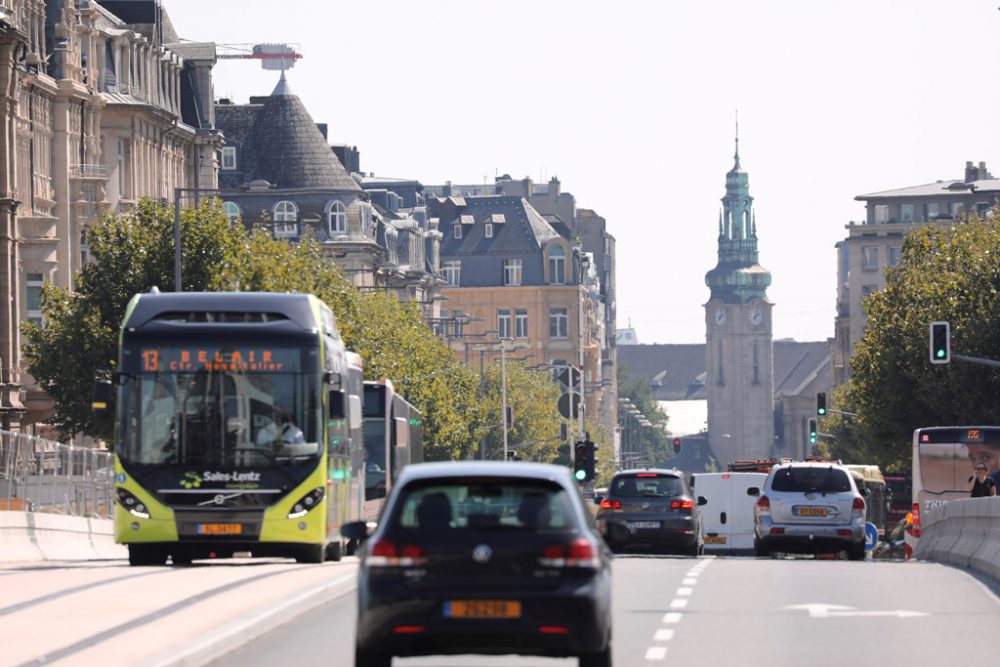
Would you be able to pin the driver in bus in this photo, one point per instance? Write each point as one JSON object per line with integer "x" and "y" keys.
{"x": 987, "y": 454}
{"x": 283, "y": 430}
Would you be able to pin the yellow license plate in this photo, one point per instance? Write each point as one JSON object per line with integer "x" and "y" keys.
{"x": 812, "y": 511}
{"x": 718, "y": 539}
{"x": 482, "y": 609}
{"x": 220, "y": 529}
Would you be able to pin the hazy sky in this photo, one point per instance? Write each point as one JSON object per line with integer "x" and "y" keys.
{"x": 631, "y": 105}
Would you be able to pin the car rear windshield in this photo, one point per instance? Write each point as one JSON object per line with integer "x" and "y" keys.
{"x": 648, "y": 485}
{"x": 502, "y": 504}
{"x": 811, "y": 479}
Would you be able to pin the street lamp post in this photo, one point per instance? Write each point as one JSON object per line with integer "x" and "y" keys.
{"x": 503, "y": 390}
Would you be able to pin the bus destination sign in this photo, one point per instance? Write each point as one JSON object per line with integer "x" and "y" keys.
{"x": 227, "y": 360}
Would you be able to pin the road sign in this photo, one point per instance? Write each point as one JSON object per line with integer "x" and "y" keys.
{"x": 871, "y": 536}
{"x": 564, "y": 405}
{"x": 569, "y": 376}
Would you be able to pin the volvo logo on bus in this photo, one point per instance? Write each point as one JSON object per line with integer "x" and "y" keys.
{"x": 482, "y": 554}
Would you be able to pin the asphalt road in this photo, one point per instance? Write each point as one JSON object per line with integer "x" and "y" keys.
{"x": 729, "y": 611}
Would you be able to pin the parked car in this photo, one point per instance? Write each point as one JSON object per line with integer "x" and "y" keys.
{"x": 483, "y": 557}
{"x": 810, "y": 508}
{"x": 727, "y": 515}
{"x": 651, "y": 509}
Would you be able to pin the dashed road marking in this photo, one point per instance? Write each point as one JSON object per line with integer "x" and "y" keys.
{"x": 672, "y": 617}
{"x": 680, "y": 603}
{"x": 684, "y": 591}
{"x": 656, "y": 653}
{"x": 663, "y": 635}
{"x": 689, "y": 582}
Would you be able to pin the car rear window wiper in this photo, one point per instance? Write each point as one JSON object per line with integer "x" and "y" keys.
{"x": 653, "y": 495}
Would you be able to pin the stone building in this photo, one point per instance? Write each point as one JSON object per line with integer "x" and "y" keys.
{"x": 739, "y": 368}
{"x": 875, "y": 243}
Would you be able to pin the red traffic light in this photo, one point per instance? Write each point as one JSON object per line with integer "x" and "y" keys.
{"x": 677, "y": 445}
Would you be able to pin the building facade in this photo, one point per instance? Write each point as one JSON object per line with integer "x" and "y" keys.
{"x": 875, "y": 244}
{"x": 738, "y": 352}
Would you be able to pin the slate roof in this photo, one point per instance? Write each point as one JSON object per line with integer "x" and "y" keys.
{"x": 280, "y": 143}
{"x": 935, "y": 189}
{"x": 678, "y": 371}
{"x": 523, "y": 231}
{"x": 193, "y": 50}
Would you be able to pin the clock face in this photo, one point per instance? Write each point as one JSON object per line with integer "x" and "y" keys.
{"x": 720, "y": 317}
{"x": 756, "y": 317}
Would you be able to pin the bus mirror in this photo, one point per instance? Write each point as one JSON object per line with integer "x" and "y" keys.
{"x": 354, "y": 412}
{"x": 102, "y": 396}
{"x": 332, "y": 379}
{"x": 356, "y": 530}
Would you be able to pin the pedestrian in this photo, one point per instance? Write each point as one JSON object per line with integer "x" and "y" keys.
{"x": 983, "y": 486}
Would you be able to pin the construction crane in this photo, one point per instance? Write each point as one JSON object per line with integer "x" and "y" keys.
{"x": 271, "y": 56}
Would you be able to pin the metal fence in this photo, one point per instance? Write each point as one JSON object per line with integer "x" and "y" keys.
{"x": 40, "y": 475}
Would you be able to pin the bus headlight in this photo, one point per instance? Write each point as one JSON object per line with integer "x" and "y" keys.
{"x": 134, "y": 506}
{"x": 306, "y": 503}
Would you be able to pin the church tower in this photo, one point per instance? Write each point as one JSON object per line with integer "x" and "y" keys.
{"x": 739, "y": 369}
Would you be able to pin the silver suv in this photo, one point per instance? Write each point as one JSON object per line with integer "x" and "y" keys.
{"x": 809, "y": 508}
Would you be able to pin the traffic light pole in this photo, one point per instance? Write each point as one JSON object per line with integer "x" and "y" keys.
{"x": 976, "y": 360}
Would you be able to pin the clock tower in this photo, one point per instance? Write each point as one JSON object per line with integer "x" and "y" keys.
{"x": 739, "y": 369}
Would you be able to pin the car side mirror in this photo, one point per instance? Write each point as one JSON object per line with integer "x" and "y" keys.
{"x": 753, "y": 491}
{"x": 357, "y": 530}
{"x": 702, "y": 500}
{"x": 597, "y": 500}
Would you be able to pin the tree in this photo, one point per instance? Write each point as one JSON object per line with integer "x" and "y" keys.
{"x": 947, "y": 272}
{"x": 638, "y": 391}
{"x": 533, "y": 399}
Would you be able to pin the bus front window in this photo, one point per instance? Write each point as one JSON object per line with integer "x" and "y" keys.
{"x": 375, "y": 460}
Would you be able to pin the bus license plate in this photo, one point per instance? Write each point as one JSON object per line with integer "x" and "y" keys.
{"x": 717, "y": 539}
{"x": 482, "y": 609}
{"x": 811, "y": 511}
{"x": 220, "y": 529}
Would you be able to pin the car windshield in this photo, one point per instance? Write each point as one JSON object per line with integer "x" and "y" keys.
{"x": 646, "y": 485}
{"x": 501, "y": 504}
{"x": 811, "y": 479}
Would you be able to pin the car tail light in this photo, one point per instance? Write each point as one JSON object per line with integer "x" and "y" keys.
{"x": 858, "y": 506}
{"x": 844, "y": 532}
{"x": 611, "y": 504}
{"x": 553, "y": 630}
{"x": 682, "y": 505}
{"x": 408, "y": 629}
{"x": 578, "y": 553}
{"x": 383, "y": 553}
{"x": 777, "y": 531}
{"x": 763, "y": 506}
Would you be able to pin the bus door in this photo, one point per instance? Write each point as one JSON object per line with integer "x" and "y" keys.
{"x": 943, "y": 469}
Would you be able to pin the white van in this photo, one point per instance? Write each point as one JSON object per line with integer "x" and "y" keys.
{"x": 727, "y": 514}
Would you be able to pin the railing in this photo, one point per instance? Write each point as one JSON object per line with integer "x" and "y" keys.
{"x": 88, "y": 171}
{"x": 44, "y": 476}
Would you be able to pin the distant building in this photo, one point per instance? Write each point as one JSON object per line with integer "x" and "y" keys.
{"x": 875, "y": 243}
{"x": 626, "y": 337}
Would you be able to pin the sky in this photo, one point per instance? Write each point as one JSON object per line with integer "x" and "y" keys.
{"x": 632, "y": 104}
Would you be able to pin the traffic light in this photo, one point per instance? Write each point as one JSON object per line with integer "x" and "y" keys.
{"x": 812, "y": 431}
{"x": 940, "y": 342}
{"x": 580, "y": 455}
{"x": 509, "y": 416}
{"x": 591, "y": 458}
{"x": 821, "y": 403}
{"x": 677, "y": 445}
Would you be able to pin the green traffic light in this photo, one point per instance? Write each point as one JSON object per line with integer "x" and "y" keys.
{"x": 580, "y": 475}
{"x": 939, "y": 354}
{"x": 821, "y": 411}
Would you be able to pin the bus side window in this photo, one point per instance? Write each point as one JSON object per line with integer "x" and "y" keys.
{"x": 337, "y": 407}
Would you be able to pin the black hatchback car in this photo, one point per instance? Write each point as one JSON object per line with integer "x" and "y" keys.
{"x": 489, "y": 558}
{"x": 651, "y": 509}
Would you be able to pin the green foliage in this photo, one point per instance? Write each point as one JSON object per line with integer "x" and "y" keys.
{"x": 533, "y": 398}
{"x": 946, "y": 273}
{"x": 657, "y": 438}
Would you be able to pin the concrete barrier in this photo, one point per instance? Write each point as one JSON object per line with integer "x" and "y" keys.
{"x": 31, "y": 536}
{"x": 965, "y": 533}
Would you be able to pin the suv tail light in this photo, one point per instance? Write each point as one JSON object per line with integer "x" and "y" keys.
{"x": 578, "y": 553}
{"x": 383, "y": 553}
{"x": 682, "y": 505}
{"x": 611, "y": 504}
{"x": 763, "y": 506}
{"x": 858, "y": 506}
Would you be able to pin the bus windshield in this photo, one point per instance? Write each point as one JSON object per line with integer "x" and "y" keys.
{"x": 221, "y": 414}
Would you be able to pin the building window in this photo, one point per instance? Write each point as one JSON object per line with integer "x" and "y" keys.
{"x": 503, "y": 323}
{"x": 457, "y": 231}
{"x": 122, "y": 168}
{"x": 906, "y": 212}
{"x": 452, "y": 270}
{"x": 894, "y": 254}
{"x": 521, "y": 323}
{"x": 558, "y": 323}
{"x": 868, "y": 289}
{"x": 229, "y": 157}
{"x": 35, "y": 282}
{"x": 512, "y": 272}
{"x": 931, "y": 211}
{"x": 982, "y": 208}
{"x": 881, "y": 214}
{"x": 336, "y": 219}
{"x": 232, "y": 211}
{"x": 488, "y": 230}
{"x": 286, "y": 214}
{"x": 756, "y": 366}
{"x": 869, "y": 257}
{"x": 956, "y": 208}
{"x": 557, "y": 265}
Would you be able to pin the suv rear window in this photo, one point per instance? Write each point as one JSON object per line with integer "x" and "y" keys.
{"x": 647, "y": 485}
{"x": 460, "y": 504}
{"x": 811, "y": 479}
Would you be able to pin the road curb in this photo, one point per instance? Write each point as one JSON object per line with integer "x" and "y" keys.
{"x": 235, "y": 634}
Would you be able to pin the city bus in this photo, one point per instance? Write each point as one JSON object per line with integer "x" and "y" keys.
{"x": 943, "y": 461}
{"x": 234, "y": 423}
{"x": 394, "y": 435}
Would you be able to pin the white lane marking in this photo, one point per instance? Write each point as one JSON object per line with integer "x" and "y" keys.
{"x": 821, "y": 610}
{"x": 684, "y": 591}
{"x": 690, "y": 582}
{"x": 672, "y": 617}
{"x": 692, "y": 573}
{"x": 678, "y": 604}
{"x": 656, "y": 653}
{"x": 663, "y": 635}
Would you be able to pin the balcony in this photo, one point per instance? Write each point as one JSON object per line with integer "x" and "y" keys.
{"x": 95, "y": 171}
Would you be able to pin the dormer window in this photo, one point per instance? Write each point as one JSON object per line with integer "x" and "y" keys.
{"x": 336, "y": 219}
{"x": 457, "y": 231}
{"x": 488, "y": 230}
{"x": 557, "y": 265}
{"x": 229, "y": 157}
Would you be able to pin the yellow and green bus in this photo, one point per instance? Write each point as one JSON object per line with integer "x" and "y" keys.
{"x": 238, "y": 428}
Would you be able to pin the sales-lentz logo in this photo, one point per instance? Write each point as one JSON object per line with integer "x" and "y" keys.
{"x": 238, "y": 477}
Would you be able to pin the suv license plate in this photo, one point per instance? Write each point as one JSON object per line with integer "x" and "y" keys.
{"x": 644, "y": 524}
{"x": 811, "y": 511}
{"x": 482, "y": 609}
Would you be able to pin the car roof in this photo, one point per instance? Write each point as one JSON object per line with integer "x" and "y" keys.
{"x": 457, "y": 469}
{"x": 810, "y": 464}
{"x": 660, "y": 471}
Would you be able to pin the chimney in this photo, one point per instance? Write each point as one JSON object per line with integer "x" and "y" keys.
{"x": 446, "y": 190}
{"x": 983, "y": 173}
{"x": 554, "y": 186}
{"x": 970, "y": 172}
